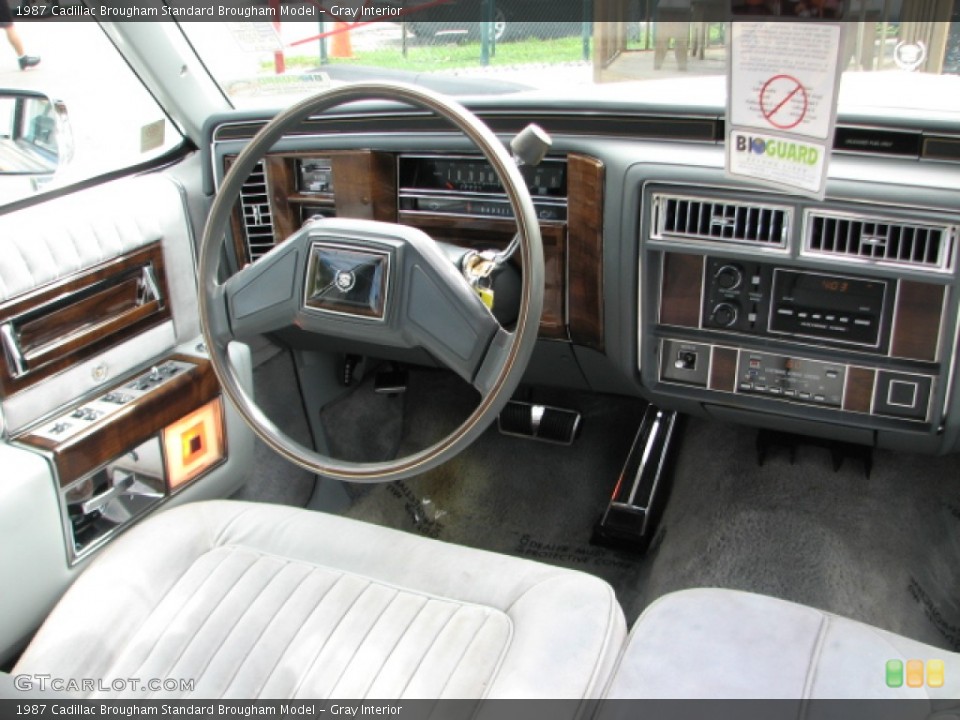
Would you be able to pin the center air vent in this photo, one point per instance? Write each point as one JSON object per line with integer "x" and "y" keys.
{"x": 880, "y": 240}
{"x": 257, "y": 216}
{"x": 676, "y": 216}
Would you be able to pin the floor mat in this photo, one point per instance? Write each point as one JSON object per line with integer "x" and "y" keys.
{"x": 884, "y": 550}
{"x": 512, "y": 495}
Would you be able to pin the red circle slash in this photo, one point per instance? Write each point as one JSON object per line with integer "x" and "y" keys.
{"x": 784, "y": 97}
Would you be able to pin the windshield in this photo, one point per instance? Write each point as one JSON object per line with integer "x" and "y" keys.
{"x": 889, "y": 66}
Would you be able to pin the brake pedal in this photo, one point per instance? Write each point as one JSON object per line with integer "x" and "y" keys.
{"x": 539, "y": 422}
{"x": 634, "y": 510}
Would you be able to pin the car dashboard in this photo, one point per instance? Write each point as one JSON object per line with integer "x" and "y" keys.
{"x": 665, "y": 278}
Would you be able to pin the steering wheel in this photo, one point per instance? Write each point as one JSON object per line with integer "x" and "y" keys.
{"x": 378, "y": 283}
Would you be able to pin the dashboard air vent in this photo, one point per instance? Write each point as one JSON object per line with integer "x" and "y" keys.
{"x": 721, "y": 221}
{"x": 880, "y": 240}
{"x": 257, "y": 217}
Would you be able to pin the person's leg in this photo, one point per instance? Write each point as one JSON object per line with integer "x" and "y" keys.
{"x": 14, "y": 39}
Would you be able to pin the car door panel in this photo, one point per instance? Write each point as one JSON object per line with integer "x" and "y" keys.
{"x": 60, "y": 258}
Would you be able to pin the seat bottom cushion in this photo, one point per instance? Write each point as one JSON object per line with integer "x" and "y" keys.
{"x": 259, "y": 601}
{"x": 712, "y": 643}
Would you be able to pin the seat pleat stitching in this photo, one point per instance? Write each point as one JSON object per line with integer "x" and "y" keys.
{"x": 264, "y": 629}
{"x": 427, "y": 651}
{"x": 146, "y": 620}
{"x": 396, "y": 644}
{"x": 466, "y": 649}
{"x": 296, "y": 635}
{"x": 210, "y": 614}
{"x": 814, "y": 662}
{"x": 323, "y": 645}
{"x": 370, "y": 629}
{"x": 333, "y": 631}
{"x": 198, "y": 674}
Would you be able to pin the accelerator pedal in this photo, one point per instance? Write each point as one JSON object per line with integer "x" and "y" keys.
{"x": 631, "y": 517}
{"x": 540, "y": 422}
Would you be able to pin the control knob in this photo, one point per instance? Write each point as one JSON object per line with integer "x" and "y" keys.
{"x": 725, "y": 314}
{"x": 729, "y": 277}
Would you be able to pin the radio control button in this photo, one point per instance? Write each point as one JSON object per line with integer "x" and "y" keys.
{"x": 831, "y": 318}
{"x": 845, "y": 320}
{"x": 816, "y": 316}
{"x": 785, "y": 311}
{"x": 861, "y": 322}
{"x": 804, "y": 396}
{"x": 819, "y": 398}
{"x": 789, "y": 393}
{"x": 832, "y": 374}
{"x": 775, "y": 391}
{"x": 746, "y": 386}
{"x": 802, "y": 315}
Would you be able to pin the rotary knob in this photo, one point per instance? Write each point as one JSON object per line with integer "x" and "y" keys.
{"x": 725, "y": 314}
{"x": 729, "y": 277}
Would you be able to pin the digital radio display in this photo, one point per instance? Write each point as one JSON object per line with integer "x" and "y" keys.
{"x": 828, "y": 306}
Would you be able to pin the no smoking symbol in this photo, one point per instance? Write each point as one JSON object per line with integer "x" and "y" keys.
{"x": 784, "y": 102}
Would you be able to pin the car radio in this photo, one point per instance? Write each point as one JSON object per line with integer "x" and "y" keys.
{"x": 760, "y": 299}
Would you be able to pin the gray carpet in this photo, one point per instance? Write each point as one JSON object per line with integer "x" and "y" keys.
{"x": 275, "y": 480}
{"x": 883, "y": 550}
{"x": 517, "y": 496}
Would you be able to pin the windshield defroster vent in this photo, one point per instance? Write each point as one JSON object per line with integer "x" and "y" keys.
{"x": 257, "y": 216}
{"x": 880, "y": 240}
{"x": 676, "y": 216}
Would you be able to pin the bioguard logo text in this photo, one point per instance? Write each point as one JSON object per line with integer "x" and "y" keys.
{"x": 779, "y": 149}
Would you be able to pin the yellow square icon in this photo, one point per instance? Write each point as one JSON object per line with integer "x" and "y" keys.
{"x": 935, "y": 673}
{"x": 914, "y": 673}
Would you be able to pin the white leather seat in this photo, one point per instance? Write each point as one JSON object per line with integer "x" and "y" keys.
{"x": 712, "y": 643}
{"x": 259, "y": 601}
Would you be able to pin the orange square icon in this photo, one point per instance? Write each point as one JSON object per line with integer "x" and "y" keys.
{"x": 914, "y": 673}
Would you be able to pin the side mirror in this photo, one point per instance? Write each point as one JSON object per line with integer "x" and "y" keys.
{"x": 35, "y": 136}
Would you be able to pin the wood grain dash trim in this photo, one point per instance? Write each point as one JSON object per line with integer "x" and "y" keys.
{"x": 681, "y": 290}
{"x": 917, "y": 320}
{"x": 859, "y": 391}
{"x": 585, "y": 184}
{"x": 723, "y": 369}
